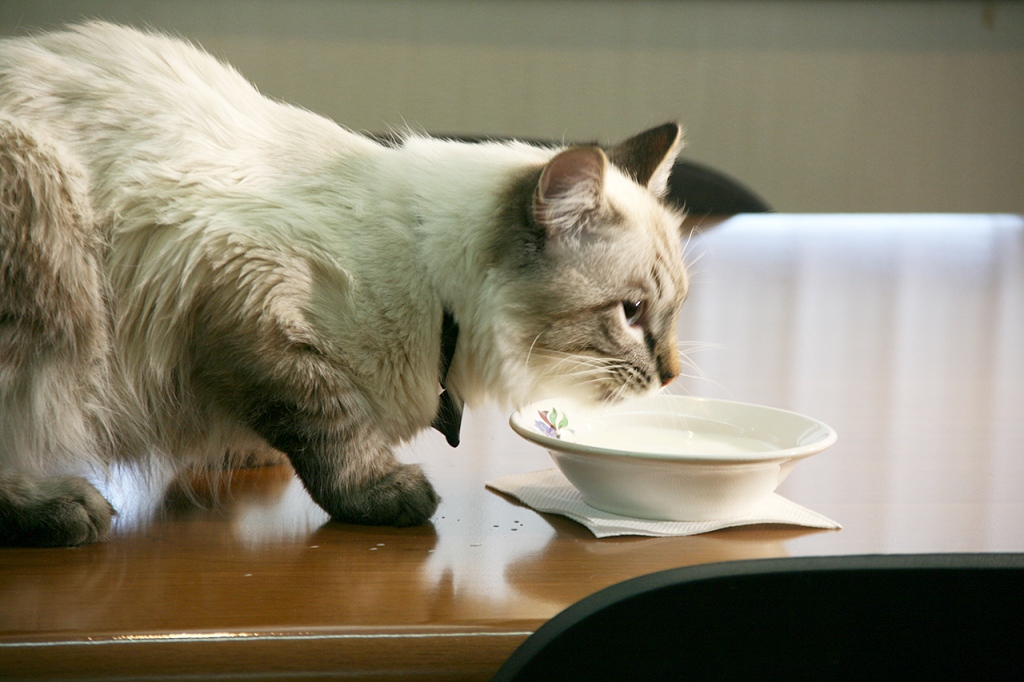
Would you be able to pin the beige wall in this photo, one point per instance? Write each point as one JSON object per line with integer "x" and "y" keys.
{"x": 820, "y": 106}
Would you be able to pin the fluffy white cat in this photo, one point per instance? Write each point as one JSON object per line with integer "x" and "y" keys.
{"x": 188, "y": 268}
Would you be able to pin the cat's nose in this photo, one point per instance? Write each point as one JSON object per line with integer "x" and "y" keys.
{"x": 668, "y": 369}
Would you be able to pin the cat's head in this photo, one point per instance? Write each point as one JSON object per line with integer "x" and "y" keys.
{"x": 596, "y": 266}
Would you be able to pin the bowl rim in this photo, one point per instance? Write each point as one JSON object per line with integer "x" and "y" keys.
{"x": 518, "y": 423}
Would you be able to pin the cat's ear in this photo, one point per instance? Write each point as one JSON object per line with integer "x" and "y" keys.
{"x": 648, "y": 157}
{"x": 570, "y": 191}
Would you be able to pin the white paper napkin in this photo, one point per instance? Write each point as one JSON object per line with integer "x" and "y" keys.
{"x": 549, "y": 491}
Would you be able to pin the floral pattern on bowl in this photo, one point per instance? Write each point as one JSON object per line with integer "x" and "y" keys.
{"x": 553, "y": 424}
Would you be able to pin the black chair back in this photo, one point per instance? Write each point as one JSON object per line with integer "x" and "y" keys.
{"x": 936, "y": 616}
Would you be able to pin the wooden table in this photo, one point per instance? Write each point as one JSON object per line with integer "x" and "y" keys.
{"x": 905, "y": 333}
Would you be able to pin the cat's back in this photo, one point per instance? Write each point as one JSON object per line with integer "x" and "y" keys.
{"x": 123, "y": 97}
{"x": 95, "y": 67}
{"x": 94, "y": 53}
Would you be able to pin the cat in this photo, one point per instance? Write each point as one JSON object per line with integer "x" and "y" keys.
{"x": 189, "y": 268}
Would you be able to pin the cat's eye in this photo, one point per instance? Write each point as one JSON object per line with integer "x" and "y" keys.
{"x": 634, "y": 311}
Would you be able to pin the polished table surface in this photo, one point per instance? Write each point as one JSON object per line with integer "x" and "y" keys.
{"x": 904, "y": 333}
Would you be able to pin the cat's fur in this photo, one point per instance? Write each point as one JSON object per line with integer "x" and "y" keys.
{"x": 188, "y": 268}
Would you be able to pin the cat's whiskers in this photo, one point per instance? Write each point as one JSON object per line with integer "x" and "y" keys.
{"x": 685, "y": 348}
{"x": 587, "y": 375}
{"x": 619, "y": 394}
{"x": 613, "y": 377}
{"x": 690, "y": 259}
{"x": 561, "y": 358}
{"x": 686, "y": 250}
{"x": 529, "y": 353}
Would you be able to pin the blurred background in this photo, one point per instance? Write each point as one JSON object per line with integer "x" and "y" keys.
{"x": 819, "y": 106}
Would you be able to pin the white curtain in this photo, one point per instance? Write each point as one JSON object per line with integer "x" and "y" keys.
{"x": 903, "y": 332}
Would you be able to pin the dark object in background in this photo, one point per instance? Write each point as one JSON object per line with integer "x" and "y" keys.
{"x": 702, "y": 190}
{"x": 699, "y": 189}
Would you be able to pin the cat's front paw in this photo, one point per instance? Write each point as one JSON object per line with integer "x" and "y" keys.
{"x": 64, "y": 511}
{"x": 404, "y": 497}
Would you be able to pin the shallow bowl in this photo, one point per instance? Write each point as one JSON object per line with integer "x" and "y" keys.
{"x": 672, "y": 457}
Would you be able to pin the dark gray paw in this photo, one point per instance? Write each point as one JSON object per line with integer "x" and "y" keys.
{"x": 53, "y": 512}
{"x": 404, "y": 497}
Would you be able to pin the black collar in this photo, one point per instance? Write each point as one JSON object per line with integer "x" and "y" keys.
{"x": 448, "y": 419}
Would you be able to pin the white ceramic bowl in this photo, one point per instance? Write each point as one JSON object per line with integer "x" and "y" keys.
{"x": 672, "y": 457}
